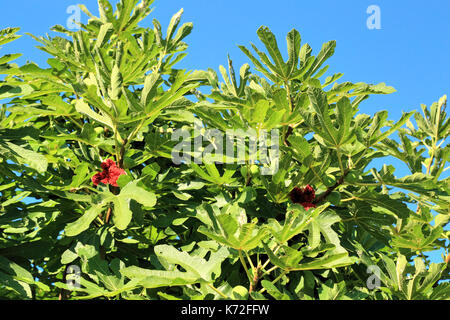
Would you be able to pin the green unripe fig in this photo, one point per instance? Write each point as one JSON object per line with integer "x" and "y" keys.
{"x": 352, "y": 177}
{"x": 334, "y": 198}
{"x": 329, "y": 181}
{"x": 254, "y": 169}
{"x": 244, "y": 171}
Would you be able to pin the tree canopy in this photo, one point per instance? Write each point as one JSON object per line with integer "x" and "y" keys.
{"x": 93, "y": 205}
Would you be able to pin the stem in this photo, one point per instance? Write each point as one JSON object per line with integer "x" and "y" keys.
{"x": 116, "y": 142}
{"x": 134, "y": 133}
{"x": 249, "y": 260}
{"x": 349, "y": 199}
{"x": 276, "y": 279}
{"x": 340, "y": 160}
{"x": 91, "y": 189}
{"x": 75, "y": 122}
{"x": 290, "y": 129}
{"x": 429, "y": 165}
{"x": 269, "y": 271}
{"x": 280, "y": 276}
{"x": 288, "y": 93}
{"x": 277, "y": 247}
{"x": 218, "y": 291}
{"x": 99, "y": 220}
{"x": 108, "y": 215}
{"x": 360, "y": 158}
{"x": 241, "y": 257}
{"x": 254, "y": 283}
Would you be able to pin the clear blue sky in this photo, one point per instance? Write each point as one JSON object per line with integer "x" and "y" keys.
{"x": 410, "y": 52}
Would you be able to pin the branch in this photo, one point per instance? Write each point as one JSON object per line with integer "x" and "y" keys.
{"x": 287, "y": 135}
{"x": 324, "y": 195}
{"x": 255, "y": 280}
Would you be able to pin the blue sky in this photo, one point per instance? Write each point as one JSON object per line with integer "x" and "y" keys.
{"x": 410, "y": 52}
